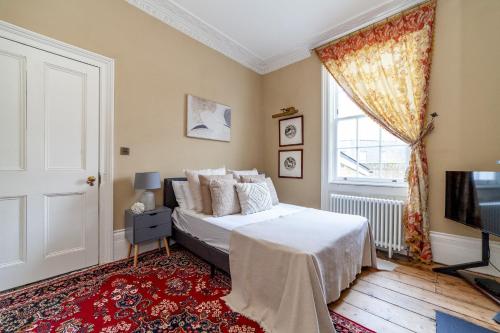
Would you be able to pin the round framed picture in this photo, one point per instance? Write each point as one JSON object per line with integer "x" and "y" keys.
{"x": 291, "y": 131}
{"x": 290, "y": 163}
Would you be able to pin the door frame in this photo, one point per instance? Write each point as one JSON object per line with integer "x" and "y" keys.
{"x": 106, "y": 119}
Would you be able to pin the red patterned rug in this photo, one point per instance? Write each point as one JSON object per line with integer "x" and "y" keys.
{"x": 164, "y": 294}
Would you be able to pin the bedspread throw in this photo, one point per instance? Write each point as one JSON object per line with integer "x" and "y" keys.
{"x": 285, "y": 271}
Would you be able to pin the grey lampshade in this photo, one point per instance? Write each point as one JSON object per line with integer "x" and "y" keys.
{"x": 147, "y": 180}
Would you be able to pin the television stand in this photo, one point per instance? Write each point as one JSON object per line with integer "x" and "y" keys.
{"x": 490, "y": 287}
{"x": 485, "y": 259}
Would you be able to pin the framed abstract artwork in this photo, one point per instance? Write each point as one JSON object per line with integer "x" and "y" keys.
{"x": 291, "y": 131}
{"x": 208, "y": 119}
{"x": 290, "y": 163}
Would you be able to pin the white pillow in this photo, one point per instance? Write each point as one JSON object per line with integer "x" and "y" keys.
{"x": 254, "y": 197}
{"x": 183, "y": 194}
{"x": 259, "y": 179}
{"x": 272, "y": 190}
{"x": 238, "y": 173}
{"x": 194, "y": 183}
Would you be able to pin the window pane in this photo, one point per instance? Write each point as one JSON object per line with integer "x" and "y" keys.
{"x": 369, "y": 133}
{"x": 364, "y": 150}
{"x": 346, "y": 135}
{"x": 390, "y": 140}
{"x": 394, "y": 161}
{"x": 346, "y": 163}
{"x": 368, "y": 162}
{"x": 345, "y": 106}
{"x": 395, "y": 154}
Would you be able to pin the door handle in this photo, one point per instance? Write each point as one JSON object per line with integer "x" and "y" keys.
{"x": 91, "y": 180}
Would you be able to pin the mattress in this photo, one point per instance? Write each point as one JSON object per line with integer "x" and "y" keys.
{"x": 216, "y": 231}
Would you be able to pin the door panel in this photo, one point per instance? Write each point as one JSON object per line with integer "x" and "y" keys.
{"x": 12, "y": 249}
{"x": 49, "y": 213}
{"x": 13, "y": 113}
{"x": 62, "y": 237}
{"x": 65, "y": 145}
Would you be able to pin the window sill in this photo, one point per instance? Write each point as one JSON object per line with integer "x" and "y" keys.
{"x": 370, "y": 184}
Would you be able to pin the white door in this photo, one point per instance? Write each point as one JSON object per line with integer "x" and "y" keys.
{"x": 49, "y": 121}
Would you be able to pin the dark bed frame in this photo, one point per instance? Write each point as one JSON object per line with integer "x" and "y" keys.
{"x": 215, "y": 257}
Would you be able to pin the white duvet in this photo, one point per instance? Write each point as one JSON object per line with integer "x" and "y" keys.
{"x": 216, "y": 231}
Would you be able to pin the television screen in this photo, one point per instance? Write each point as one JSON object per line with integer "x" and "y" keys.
{"x": 473, "y": 198}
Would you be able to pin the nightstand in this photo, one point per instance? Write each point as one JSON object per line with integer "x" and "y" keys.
{"x": 151, "y": 225}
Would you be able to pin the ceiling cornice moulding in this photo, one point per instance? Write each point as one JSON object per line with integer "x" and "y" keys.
{"x": 181, "y": 19}
{"x": 283, "y": 60}
{"x": 178, "y": 18}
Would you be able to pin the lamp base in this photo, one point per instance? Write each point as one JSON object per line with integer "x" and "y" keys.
{"x": 148, "y": 199}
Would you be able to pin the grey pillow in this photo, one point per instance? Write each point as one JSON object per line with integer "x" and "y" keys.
{"x": 206, "y": 199}
{"x": 254, "y": 197}
{"x": 224, "y": 198}
{"x": 252, "y": 178}
{"x": 237, "y": 173}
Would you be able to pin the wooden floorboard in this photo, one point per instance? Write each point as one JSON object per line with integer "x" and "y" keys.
{"x": 408, "y": 279}
{"x": 366, "y": 319}
{"x": 397, "y": 315}
{"x": 406, "y": 300}
{"x": 417, "y": 272}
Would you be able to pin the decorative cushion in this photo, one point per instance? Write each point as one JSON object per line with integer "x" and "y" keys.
{"x": 224, "y": 198}
{"x": 206, "y": 199}
{"x": 238, "y": 173}
{"x": 183, "y": 194}
{"x": 268, "y": 181}
{"x": 272, "y": 190}
{"x": 252, "y": 178}
{"x": 194, "y": 183}
{"x": 254, "y": 197}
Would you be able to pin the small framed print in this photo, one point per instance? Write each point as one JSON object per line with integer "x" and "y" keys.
{"x": 291, "y": 131}
{"x": 290, "y": 163}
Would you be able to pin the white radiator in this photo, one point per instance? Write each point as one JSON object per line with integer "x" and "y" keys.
{"x": 490, "y": 214}
{"x": 385, "y": 217}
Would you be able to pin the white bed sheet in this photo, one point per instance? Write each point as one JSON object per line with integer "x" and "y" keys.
{"x": 216, "y": 231}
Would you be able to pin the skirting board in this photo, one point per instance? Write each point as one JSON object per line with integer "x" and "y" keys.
{"x": 451, "y": 249}
{"x": 120, "y": 245}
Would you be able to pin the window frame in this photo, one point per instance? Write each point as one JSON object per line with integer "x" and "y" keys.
{"x": 331, "y": 128}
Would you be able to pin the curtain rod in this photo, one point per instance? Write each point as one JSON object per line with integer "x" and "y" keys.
{"x": 382, "y": 21}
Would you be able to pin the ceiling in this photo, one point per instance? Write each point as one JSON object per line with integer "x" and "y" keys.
{"x": 265, "y": 35}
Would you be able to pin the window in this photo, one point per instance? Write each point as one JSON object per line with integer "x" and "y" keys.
{"x": 360, "y": 150}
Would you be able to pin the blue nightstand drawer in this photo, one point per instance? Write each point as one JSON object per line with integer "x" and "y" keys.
{"x": 150, "y": 225}
{"x": 152, "y": 232}
{"x": 151, "y": 219}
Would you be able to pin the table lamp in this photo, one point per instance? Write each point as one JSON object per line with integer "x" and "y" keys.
{"x": 147, "y": 181}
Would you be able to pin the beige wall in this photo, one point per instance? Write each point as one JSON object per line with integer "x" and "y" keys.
{"x": 464, "y": 90}
{"x": 156, "y": 66}
{"x": 297, "y": 85}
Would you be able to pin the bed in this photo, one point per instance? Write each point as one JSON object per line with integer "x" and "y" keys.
{"x": 287, "y": 263}
{"x": 215, "y": 257}
{"x": 210, "y": 241}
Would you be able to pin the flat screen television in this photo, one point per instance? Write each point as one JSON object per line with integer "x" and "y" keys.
{"x": 473, "y": 198}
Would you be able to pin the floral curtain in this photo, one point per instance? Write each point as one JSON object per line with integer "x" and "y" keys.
{"x": 385, "y": 69}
